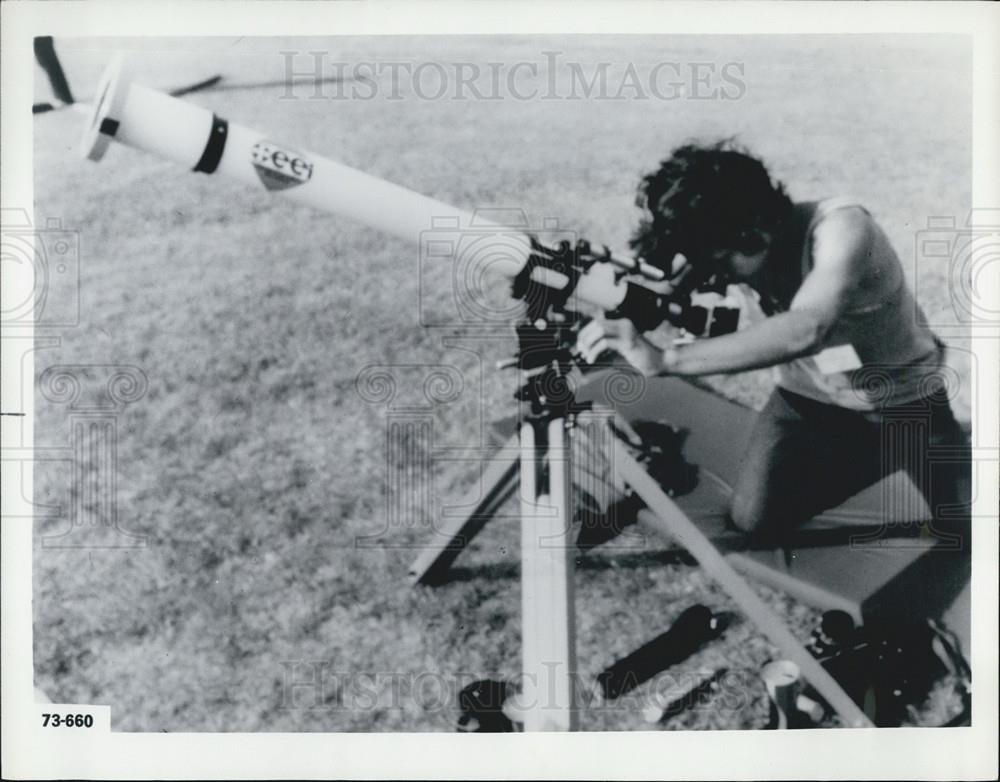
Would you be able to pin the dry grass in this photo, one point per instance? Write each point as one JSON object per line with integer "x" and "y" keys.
{"x": 252, "y": 464}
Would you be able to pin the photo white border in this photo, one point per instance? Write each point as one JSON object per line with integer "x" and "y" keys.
{"x": 918, "y": 753}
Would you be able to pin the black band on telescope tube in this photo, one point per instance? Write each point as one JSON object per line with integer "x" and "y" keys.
{"x": 109, "y": 127}
{"x": 214, "y": 147}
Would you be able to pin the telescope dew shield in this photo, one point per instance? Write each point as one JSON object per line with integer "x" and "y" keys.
{"x": 155, "y": 122}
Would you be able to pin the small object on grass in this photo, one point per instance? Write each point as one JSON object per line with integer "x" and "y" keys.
{"x": 842, "y": 649}
{"x": 516, "y": 709}
{"x": 836, "y": 631}
{"x": 694, "y": 627}
{"x": 597, "y": 526}
{"x": 482, "y": 707}
{"x": 888, "y": 667}
{"x": 810, "y": 708}
{"x": 683, "y": 695}
{"x": 783, "y": 682}
{"x": 662, "y": 453}
{"x": 790, "y": 709}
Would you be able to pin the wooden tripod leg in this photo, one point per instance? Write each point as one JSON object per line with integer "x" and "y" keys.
{"x": 499, "y": 481}
{"x": 671, "y": 521}
{"x": 548, "y": 637}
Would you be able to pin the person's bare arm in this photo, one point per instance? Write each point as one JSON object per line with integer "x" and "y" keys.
{"x": 840, "y": 251}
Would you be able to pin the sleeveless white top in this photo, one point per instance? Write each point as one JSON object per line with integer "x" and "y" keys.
{"x": 881, "y": 351}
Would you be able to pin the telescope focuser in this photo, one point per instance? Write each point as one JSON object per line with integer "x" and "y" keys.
{"x": 537, "y": 284}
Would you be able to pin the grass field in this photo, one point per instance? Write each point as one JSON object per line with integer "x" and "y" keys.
{"x": 252, "y": 464}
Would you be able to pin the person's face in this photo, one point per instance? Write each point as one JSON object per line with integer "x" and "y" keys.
{"x": 743, "y": 266}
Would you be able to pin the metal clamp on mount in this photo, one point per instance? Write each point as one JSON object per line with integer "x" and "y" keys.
{"x": 546, "y": 335}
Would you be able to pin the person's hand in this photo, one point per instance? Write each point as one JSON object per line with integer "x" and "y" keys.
{"x": 621, "y": 336}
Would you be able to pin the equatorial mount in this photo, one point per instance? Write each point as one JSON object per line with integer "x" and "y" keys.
{"x": 547, "y": 332}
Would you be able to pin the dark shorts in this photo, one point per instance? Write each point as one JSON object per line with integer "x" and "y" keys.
{"x": 805, "y": 457}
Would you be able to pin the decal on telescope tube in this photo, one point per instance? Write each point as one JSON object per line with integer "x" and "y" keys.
{"x": 278, "y": 168}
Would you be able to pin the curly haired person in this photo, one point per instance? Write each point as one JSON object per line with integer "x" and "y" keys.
{"x": 852, "y": 351}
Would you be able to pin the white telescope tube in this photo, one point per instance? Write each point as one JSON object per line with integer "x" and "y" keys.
{"x": 155, "y": 122}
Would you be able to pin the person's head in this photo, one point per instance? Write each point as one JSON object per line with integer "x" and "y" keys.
{"x": 716, "y": 205}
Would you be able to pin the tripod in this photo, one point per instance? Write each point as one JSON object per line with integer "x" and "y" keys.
{"x": 543, "y": 463}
